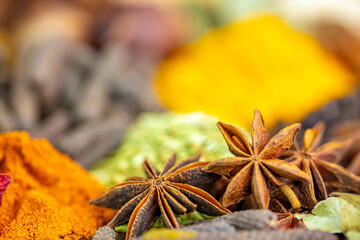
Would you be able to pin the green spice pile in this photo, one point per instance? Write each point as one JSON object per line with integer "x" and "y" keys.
{"x": 157, "y": 136}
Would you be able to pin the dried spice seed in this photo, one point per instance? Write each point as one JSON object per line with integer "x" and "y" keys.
{"x": 294, "y": 234}
{"x": 192, "y": 234}
{"x": 104, "y": 233}
{"x": 211, "y": 227}
{"x": 251, "y": 219}
{"x": 257, "y": 164}
{"x": 319, "y": 163}
{"x": 142, "y": 200}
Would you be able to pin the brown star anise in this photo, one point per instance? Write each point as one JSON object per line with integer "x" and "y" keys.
{"x": 286, "y": 218}
{"x": 350, "y": 130}
{"x": 142, "y": 200}
{"x": 319, "y": 163}
{"x": 257, "y": 163}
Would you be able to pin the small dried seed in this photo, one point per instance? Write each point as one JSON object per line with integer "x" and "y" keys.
{"x": 104, "y": 233}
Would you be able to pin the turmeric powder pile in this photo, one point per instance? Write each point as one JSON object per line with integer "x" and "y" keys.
{"x": 49, "y": 193}
{"x": 259, "y": 62}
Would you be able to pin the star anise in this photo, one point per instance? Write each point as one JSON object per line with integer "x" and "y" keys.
{"x": 350, "y": 130}
{"x": 319, "y": 163}
{"x": 285, "y": 218}
{"x": 255, "y": 164}
{"x": 142, "y": 200}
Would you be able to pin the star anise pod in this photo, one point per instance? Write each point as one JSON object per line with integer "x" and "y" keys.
{"x": 319, "y": 163}
{"x": 142, "y": 200}
{"x": 285, "y": 218}
{"x": 350, "y": 130}
{"x": 255, "y": 164}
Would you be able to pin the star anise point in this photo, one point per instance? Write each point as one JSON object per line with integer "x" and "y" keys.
{"x": 142, "y": 200}
{"x": 254, "y": 164}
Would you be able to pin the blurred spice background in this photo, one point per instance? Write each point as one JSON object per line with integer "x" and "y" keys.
{"x": 80, "y": 72}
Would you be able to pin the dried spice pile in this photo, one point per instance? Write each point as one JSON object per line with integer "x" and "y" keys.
{"x": 244, "y": 64}
{"x": 78, "y": 93}
{"x": 49, "y": 193}
{"x": 67, "y": 74}
{"x": 158, "y": 135}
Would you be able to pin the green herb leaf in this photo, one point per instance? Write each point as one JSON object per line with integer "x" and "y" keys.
{"x": 340, "y": 213}
{"x": 326, "y": 216}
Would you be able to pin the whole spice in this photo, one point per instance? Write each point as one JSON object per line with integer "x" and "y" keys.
{"x": 49, "y": 193}
{"x": 285, "y": 218}
{"x": 4, "y": 183}
{"x": 142, "y": 200}
{"x": 104, "y": 233}
{"x": 354, "y": 166}
{"x": 257, "y": 163}
{"x": 181, "y": 234}
{"x": 339, "y": 116}
{"x": 251, "y": 219}
{"x": 350, "y": 130}
{"x": 319, "y": 163}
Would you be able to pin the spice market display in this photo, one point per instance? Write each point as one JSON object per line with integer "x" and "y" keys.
{"x": 179, "y": 120}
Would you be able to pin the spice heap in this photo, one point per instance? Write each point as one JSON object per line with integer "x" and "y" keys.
{"x": 49, "y": 193}
{"x": 158, "y": 135}
{"x": 67, "y": 74}
{"x": 244, "y": 64}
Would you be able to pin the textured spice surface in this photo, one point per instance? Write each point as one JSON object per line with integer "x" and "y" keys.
{"x": 319, "y": 163}
{"x": 257, "y": 63}
{"x": 156, "y": 136}
{"x": 294, "y": 234}
{"x": 49, "y": 193}
{"x": 253, "y": 165}
{"x": 142, "y": 200}
{"x": 250, "y": 219}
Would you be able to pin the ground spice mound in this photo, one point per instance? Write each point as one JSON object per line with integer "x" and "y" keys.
{"x": 49, "y": 193}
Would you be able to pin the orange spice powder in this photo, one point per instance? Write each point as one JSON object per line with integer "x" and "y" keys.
{"x": 49, "y": 193}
